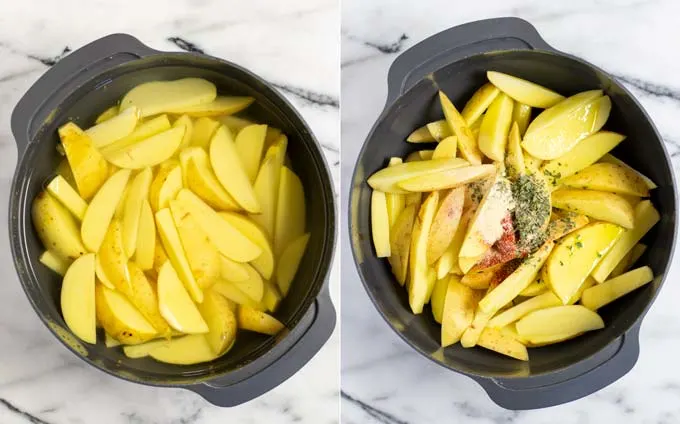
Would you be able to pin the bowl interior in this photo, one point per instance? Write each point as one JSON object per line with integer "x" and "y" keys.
{"x": 82, "y": 106}
{"x": 643, "y": 149}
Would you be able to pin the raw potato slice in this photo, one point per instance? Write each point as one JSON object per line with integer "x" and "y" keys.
{"x": 187, "y": 350}
{"x": 222, "y": 105}
{"x": 233, "y": 293}
{"x": 184, "y": 121}
{"x": 272, "y": 297}
{"x": 542, "y": 301}
{"x": 120, "y": 319}
{"x": 253, "y": 286}
{"x": 148, "y": 152}
{"x": 136, "y": 195}
{"x": 576, "y": 255}
{"x": 56, "y": 227}
{"x": 608, "y": 177}
{"x": 438, "y": 298}
{"x": 264, "y": 264}
{"x": 557, "y": 130}
{"x": 467, "y": 143}
{"x": 166, "y": 185}
{"x": 447, "y": 179}
{"x": 289, "y": 262}
{"x": 496, "y": 340}
{"x": 200, "y": 178}
{"x": 531, "y": 163}
{"x": 218, "y": 313}
{"x": 229, "y": 241}
{"x": 565, "y": 320}
{"x": 493, "y": 134}
{"x": 521, "y": 114}
{"x": 157, "y": 97}
{"x": 229, "y": 171}
{"x": 173, "y": 247}
{"x": 233, "y": 271}
{"x": 590, "y": 282}
{"x": 258, "y": 321}
{"x": 400, "y": 242}
{"x": 601, "y": 294}
{"x": 290, "y": 210}
{"x": 608, "y": 158}
{"x": 387, "y": 179}
{"x": 585, "y": 153}
{"x": 445, "y": 224}
{"x": 446, "y": 148}
{"x": 267, "y": 185}
{"x": 142, "y": 293}
{"x": 459, "y": 309}
{"x": 64, "y": 170}
{"x": 107, "y": 114}
{"x": 479, "y": 102}
{"x": 54, "y": 262}
{"x": 111, "y": 267}
{"x": 420, "y": 289}
{"x": 395, "y": 202}
{"x": 439, "y": 130}
{"x": 142, "y": 350}
{"x": 77, "y": 299}
{"x": 99, "y": 213}
{"x": 146, "y": 239}
{"x": 537, "y": 287}
{"x": 249, "y": 146}
{"x": 203, "y": 131}
{"x": 629, "y": 260}
{"x": 524, "y": 91}
{"x": 565, "y": 223}
{"x": 421, "y": 135}
{"x": 234, "y": 123}
{"x": 175, "y": 303}
{"x": 595, "y": 204}
{"x": 109, "y": 341}
{"x": 88, "y": 166}
{"x": 514, "y": 161}
{"x": 480, "y": 279}
{"x": 423, "y": 155}
{"x": 471, "y": 335}
{"x": 380, "y": 224}
{"x": 62, "y": 191}
{"x": 142, "y": 132}
{"x": 114, "y": 129}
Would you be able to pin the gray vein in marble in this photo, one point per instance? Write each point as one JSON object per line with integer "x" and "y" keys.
{"x": 185, "y": 45}
{"x": 382, "y": 48}
{"x": 45, "y": 60}
{"x": 652, "y": 89}
{"x": 18, "y": 74}
{"x": 471, "y": 411}
{"x": 380, "y": 416}
{"x": 31, "y": 418}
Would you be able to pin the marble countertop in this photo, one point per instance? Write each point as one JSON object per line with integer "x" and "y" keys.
{"x": 293, "y": 46}
{"x": 385, "y": 381}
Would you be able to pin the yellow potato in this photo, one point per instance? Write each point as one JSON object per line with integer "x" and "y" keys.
{"x": 400, "y": 242}
{"x": 233, "y": 293}
{"x": 157, "y": 97}
{"x": 459, "y": 309}
{"x": 102, "y": 207}
{"x": 604, "y": 108}
{"x": 64, "y": 170}
{"x": 608, "y": 177}
{"x": 444, "y": 264}
{"x": 56, "y": 227}
{"x": 54, "y": 262}
{"x": 203, "y": 131}
{"x": 445, "y": 224}
{"x": 608, "y": 158}
{"x": 564, "y": 320}
{"x": 165, "y": 185}
{"x": 143, "y": 131}
{"x": 380, "y": 224}
{"x": 387, "y": 179}
{"x": 290, "y": 210}
{"x": 229, "y": 241}
{"x": 479, "y": 102}
{"x": 137, "y": 194}
{"x": 509, "y": 316}
{"x": 107, "y": 114}
{"x": 249, "y": 146}
{"x": 449, "y": 260}
{"x": 289, "y": 261}
{"x": 395, "y": 202}
{"x": 142, "y": 350}
{"x": 111, "y": 259}
{"x": 565, "y": 223}
{"x": 595, "y": 204}
{"x": 447, "y": 179}
{"x": 222, "y": 105}
{"x": 584, "y": 154}
{"x": 471, "y": 335}
{"x": 88, "y": 166}
{"x": 258, "y": 321}
{"x": 148, "y": 152}
{"x": 629, "y": 260}
{"x": 538, "y": 341}
{"x": 537, "y": 287}
{"x": 272, "y": 297}
{"x": 253, "y": 286}
{"x": 173, "y": 247}
{"x": 419, "y": 155}
{"x": 187, "y": 350}
{"x": 558, "y": 129}
{"x": 588, "y": 283}
{"x": 233, "y": 271}
{"x": 524, "y": 91}
{"x": 467, "y": 143}
{"x": 514, "y": 161}
{"x": 62, "y": 191}
{"x": 175, "y": 303}
{"x": 421, "y": 135}
{"x": 601, "y": 294}
{"x": 496, "y": 340}
{"x": 114, "y": 129}
{"x": 438, "y": 298}
{"x": 531, "y": 163}
{"x": 267, "y": 185}
{"x": 188, "y": 125}
{"x": 120, "y": 319}
{"x": 234, "y": 123}
{"x": 142, "y": 294}
{"x": 264, "y": 264}
{"x": 521, "y": 114}
{"x": 446, "y": 148}
{"x": 439, "y": 130}
{"x": 77, "y": 299}
{"x": 146, "y": 239}
{"x": 480, "y": 279}
{"x": 109, "y": 341}
{"x": 493, "y": 134}
{"x": 200, "y": 178}
{"x": 218, "y": 313}
{"x": 419, "y": 287}
{"x": 159, "y": 255}
{"x": 576, "y": 255}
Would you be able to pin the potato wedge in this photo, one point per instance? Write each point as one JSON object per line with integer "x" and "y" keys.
{"x": 88, "y": 166}
{"x": 219, "y": 314}
{"x": 608, "y": 177}
{"x": 143, "y": 131}
{"x": 493, "y": 134}
{"x": 446, "y": 148}
{"x": 439, "y": 130}
{"x": 253, "y": 286}
{"x": 186, "y": 350}
{"x": 142, "y": 350}
{"x": 566, "y": 320}
{"x": 115, "y": 128}
{"x": 387, "y": 179}
{"x": 447, "y": 179}
{"x": 264, "y": 264}
{"x": 146, "y": 239}
{"x": 421, "y": 135}
{"x": 109, "y": 341}
{"x": 64, "y": 170}
{"x": 420, "y": 288}
{"x": 142, "y": 294}
{"x": 480, "y": 279}
{"x": 289, "y": 261}
{"x": 233, "y": 271}
{"x": 107, "y": 114}
{"x": 184, "y": 121}
{"x": 565, "y": 223}
{"x": 148, "y": 152}
{"x": 601, "y": 294}
{"x": 445, "y": 224}
{"x": 400, "y": 242}
{"x": 111, "y": 262}
{"x": 56, "y": 227}
{"x": 250, "y": 146}
{"x": 78, "y": 299}
{"x": 514, "y": 160}
{"x": 600, "y": 205}
{"x": 291, "y": 214}
{"x": 471, "y": 335}
{"x": 467, "y": 143}
{"x": 100, "y": 212}
{"x": 175, "y": 303}
{"x": 395, "y": 202}
{"x": 558, "y": 129}
{"x": 588, "y": 283}
{"x": 628, "y": 260}
{"x": 54, "y": 262}
{"x": 203, "y": 131}
{"x": 380, "y": 224}
{"x": 524, "y": 91}
{"x": 165, "y": 185}
{"x": 157, "y": 97}
{"x": 608, "y": 158}
{"x": 438, "y": 298}
{"x": 120, "y": 318}
{"x": 459, "y": 309}
{"x": 258, "y": 321}
{"x": 233, "y": 293}
{"x": 509, "y": 316}
{"x": 496, "y": 340}
{"x": 136, "y": 195}
{"x": 576, "y": 255}
{"x": 267, "y": 185}
{"x": 521, "y": 114}
{"x": 234, "y": 123}
{"x": 537, "y": 287}
{"x": 221, "y": 105}
{"x": 479, "y": 103}
{"x": 200, "y": 179}
{"x": 272, "y": 297}
{"x": 531, "y": 164}
{"x": 62, "y": 191}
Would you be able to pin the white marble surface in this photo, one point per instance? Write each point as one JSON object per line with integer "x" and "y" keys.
{"x": 383, "y": 380}
{"x": 292, "y": 45}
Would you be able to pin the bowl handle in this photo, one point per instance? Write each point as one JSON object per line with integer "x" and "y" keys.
{"x": 456, "y": 43}
{"x": 288, "y": 363}
{"x": 66, "y": 76}
{"x": 583, "y": 379}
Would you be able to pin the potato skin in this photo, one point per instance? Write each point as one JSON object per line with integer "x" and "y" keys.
{"x": 56, "y": 227}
